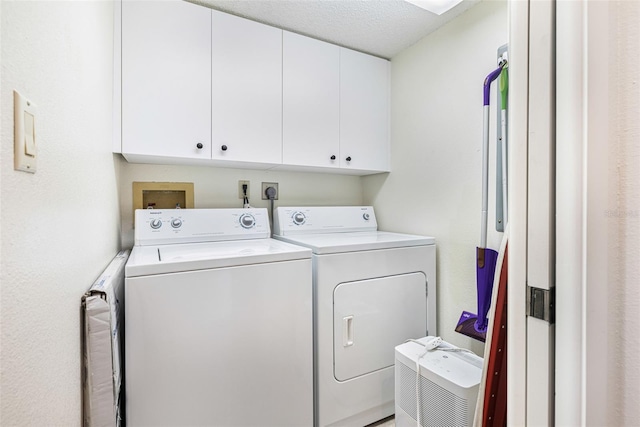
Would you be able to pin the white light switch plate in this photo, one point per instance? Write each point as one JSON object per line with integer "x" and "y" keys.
{"x": 24, "y": 131}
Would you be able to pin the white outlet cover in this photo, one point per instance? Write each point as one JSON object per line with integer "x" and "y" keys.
{"x": 25, "y": 142}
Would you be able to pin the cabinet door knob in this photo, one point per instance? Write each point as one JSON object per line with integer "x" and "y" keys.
{"x": 199, "y": 145}
{"x": 333, "y": 157}
{"x": 348, "y": 159}
{"x": 223, "y": 148}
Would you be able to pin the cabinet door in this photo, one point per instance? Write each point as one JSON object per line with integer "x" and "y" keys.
{"x": 166, "y": 79}
{"x": 311, "y": 102}
{"x": 247, "y": 90}
{"x": 364, "y": 111}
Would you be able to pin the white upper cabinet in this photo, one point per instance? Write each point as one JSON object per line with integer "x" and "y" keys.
{"x": 364, "y": 111}
{"x": 199, "y": 86}
{"x": 166, "y": 79}
{"x": 247, "y": 90}
{"x": 311, "y": 102}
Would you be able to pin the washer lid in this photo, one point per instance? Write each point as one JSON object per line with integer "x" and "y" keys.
{"x": 160, "y": 259}
{"x": 331, "y": 243}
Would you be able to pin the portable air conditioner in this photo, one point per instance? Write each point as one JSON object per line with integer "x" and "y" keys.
{"x": 449, "y": 382}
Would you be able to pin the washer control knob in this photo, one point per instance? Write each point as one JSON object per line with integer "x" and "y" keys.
{"x": 176, "y": 223}
{"x": 247, "y": 221}
{"x": 156, "y": 223}
{"x": 365, "y": 216}
{"x": 299, "y": 218}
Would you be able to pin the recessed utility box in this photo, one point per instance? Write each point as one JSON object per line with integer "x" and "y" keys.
{"x": 162, "y": 195}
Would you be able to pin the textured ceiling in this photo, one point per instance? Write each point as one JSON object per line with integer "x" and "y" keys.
{"x": 378, "y": 27}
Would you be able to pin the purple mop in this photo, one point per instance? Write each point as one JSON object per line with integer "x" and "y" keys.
{"x": 472, "y": 325}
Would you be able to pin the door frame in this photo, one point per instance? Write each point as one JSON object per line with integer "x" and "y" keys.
{"x": 581, "y": 103}
{"x": 517, "y": 208}
{"x": 532, "y": 176}
{"x": 582, "y": 191}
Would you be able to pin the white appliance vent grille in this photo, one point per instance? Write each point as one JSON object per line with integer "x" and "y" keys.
{"x": 439, "y": 407}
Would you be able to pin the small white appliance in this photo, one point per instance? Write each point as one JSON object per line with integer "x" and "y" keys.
{"x": 218, "y": 322}
{"x": 372, "y": 291}
{"x": 448, "y": 385}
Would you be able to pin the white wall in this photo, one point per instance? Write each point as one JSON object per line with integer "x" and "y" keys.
{"x": 598, "y": 211}
{"x": 436, "y": 140}
{"x": 60, "y": 227}
{"x": 622, "y": 216}
{"x": 218, "y": 188}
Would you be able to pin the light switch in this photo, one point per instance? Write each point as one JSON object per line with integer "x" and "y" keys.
{"x": 29, "y": 135}
{"x": 24, "y": 134}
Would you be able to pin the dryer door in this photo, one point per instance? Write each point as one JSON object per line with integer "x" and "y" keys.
{"x": 371, "y": 317}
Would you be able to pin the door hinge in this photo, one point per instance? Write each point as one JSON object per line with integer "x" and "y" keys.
{"x": 541, "y": 303}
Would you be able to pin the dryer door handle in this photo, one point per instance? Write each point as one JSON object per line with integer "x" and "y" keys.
{"x": 347, "y": 331}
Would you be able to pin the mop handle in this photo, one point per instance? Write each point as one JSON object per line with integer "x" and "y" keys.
{"x": 504, "y": 89}
{"x": 485, "y": 154}
{"x": 485, "y": 178}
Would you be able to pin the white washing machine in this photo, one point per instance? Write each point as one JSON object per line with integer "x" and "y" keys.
{"x": 218, "y": 322}
{"x": 372, "y": 291}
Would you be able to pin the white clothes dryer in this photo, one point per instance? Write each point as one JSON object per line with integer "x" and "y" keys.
{"x": 218, "y": 322}
{"x": 373, "y": 290}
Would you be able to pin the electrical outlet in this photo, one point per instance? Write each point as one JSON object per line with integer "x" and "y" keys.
{"x": 240, "y": 192}
{"x": 266, "y": 185}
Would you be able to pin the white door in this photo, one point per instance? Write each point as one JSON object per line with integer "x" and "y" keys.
{"x": 541, "y": 238}
{"x": 532, "y": 261}
{"x": 246, "y": 90}
{"x": 364, "y": 111}
{"x": 166, "y": 79}
{"x": 371, "y": 317}
{"x": 311, "y": 102}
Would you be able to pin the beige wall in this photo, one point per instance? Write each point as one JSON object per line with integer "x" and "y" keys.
{"x": 623, "y": 215}
{"x": 218, "y": 188}
{"x": 598, "y": 211}
{"x": 60, "y": 226}
{"x": 436, "y": 140}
